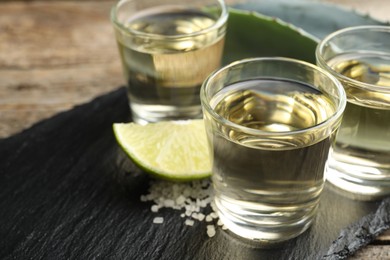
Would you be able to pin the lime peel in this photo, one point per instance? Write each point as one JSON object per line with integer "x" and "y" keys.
{"x": 173, "y": 150}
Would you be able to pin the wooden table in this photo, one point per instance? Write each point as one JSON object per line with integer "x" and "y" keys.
{"x": 58, "y": 54}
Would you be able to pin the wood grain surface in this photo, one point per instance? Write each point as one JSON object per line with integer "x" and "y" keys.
{"x": 53, "y": 55}
{"x": 58, "y": 54}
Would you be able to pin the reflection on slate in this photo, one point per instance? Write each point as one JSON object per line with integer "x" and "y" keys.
{"x": 68, "y": 192}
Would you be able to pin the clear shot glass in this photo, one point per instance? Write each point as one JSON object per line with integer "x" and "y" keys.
{"x": 270, "y": 123}
{"x": 359, "y": 57}
{"x": 167, "y": 49}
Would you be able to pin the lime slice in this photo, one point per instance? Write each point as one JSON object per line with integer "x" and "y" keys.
{"x": 174, "y": 150}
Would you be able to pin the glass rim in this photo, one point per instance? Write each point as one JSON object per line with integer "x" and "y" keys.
{"x": 222, "y": 19}
{"x": 329, "y": 121}
{"x": 324, "y": 64}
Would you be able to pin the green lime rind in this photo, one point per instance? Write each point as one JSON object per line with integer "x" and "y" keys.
{"x": 157, "y": 172}
{"x": 251, "y": 34}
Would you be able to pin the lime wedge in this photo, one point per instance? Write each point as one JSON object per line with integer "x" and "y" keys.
{"x": 173, "y": 150}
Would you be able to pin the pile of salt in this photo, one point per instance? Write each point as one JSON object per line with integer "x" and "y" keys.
{"x": 192, "y": 199}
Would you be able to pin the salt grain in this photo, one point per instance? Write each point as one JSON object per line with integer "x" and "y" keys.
{"x": 154, "y": 208}
{"x": 201, "y": 217}
{"x": 213, "y": 215}
{"x": 189, "y": 222}
{"x": 194, "y": 200}
{"x": 169, "y": 203}
{"x": 158, "y": 220}
{"x": 180, "y": 200}
{"x": 143, "y": 198}
{"x": 210, "y": 230}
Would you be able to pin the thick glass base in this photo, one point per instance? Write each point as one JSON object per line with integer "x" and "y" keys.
{"x": 143, "y": 114}
{"x": 358, "y": 182}
{"x": 264, "y": 223}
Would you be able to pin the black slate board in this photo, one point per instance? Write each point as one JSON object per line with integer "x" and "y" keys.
{"x": 68, "y": 192}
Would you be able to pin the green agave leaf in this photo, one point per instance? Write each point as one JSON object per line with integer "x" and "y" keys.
{"x": 285, "y": 28}
{"x": 250, "y": 34}
{"x": 319, "y": 19}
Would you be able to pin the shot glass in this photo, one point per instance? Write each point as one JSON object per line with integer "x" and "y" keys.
{"x": 270, "y": 123}
{"x": 359, "y": 57}
{"x": 167, "y": 49}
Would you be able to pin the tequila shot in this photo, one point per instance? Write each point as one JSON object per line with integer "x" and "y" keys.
{"x": 359, "y": 57}
{"x": 167, "y": 49}
{"x": 270, "y": 123}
